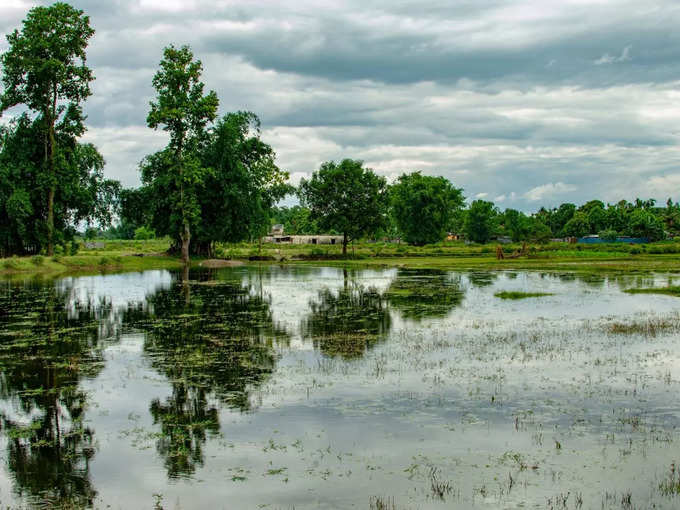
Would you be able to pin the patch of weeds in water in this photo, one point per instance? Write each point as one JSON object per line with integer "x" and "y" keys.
{"x": 439, "y": 489}
{"x": 670, "y": 485}
{"x": 506, "y": 294}
{"x": 650, "y": 326}
{"x": 672, "y": 290}
{"x": 380, "y": 503}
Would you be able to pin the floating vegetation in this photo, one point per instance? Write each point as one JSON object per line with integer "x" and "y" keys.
{"x": 520, "y": 295}
{"x": 671, "y": 290}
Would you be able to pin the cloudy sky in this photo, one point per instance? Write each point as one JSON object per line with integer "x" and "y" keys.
{"x": 525, "y": 103}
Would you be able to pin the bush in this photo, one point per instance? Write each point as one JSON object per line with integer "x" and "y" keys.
{"x": 636, "y": 250}
{"x": 56, "y": 258}
{"x": 144, "y": 233}
{"x": 75, "y": 246}
{"x": 37, "y": 260}
{"x": 103, "y": 261}
{"x": 608, "y": 235}
{"x": 12, "y": 263}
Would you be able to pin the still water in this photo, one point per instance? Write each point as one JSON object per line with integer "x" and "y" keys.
{"x": 300, "y": 387}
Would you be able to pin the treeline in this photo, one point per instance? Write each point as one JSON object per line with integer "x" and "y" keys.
{"x": 216, "y": 180}
{"x": 424, "y": 216}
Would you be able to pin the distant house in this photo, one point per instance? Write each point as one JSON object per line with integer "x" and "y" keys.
{"x": 277, "y": 230}
{"x": 302, "y": 239}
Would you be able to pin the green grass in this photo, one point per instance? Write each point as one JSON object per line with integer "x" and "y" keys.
{"x": 520, "y": 295}
{"x": 134, "y": 255}
{"x": 671, "y": 291}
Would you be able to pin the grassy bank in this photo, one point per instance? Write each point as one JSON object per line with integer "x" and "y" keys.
{"x": 100, "y": 256}
{"x": 107, "y": 256}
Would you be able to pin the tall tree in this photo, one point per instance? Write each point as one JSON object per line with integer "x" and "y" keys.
{"x": 423, "y": 205}
{"x": 45, "y": 70}
{"x": 347, "y": 198}
{"x": 184, "y": 112}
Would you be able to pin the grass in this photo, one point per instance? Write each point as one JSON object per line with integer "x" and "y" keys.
{"x": 520, "y": 295}
{"x": 671, "y": 290}
{"x": 119, "y": 255}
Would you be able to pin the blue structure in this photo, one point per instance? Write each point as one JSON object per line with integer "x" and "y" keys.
{"x": 622, "y": 239}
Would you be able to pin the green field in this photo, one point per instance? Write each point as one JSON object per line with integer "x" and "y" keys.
{"x": 110, "y": 256}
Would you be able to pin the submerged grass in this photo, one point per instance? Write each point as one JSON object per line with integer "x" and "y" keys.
{"x": 520, "y": 295}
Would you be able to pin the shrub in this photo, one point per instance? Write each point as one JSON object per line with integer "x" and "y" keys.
{"x": 636, "y": 250}
{"x": 608, "y": 235}
{"x": 37, "y": 260}
{"x": 75, "y": 246}
{"x": 103, "y": 261}
{"x": 144, "y": 233}
{"x": 12, "y": 263}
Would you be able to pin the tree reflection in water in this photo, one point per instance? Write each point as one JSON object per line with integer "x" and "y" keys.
{"x": 44, "y": 354}
{"x": 419, "y": 294}
{"x": 214, "y": 341}
{"x": 348, "y": 321}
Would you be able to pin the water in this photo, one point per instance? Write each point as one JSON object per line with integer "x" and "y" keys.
{"x": 300, "y": 387}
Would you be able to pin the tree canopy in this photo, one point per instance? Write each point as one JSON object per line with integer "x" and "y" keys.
{"x": 423, "y": 206}
{"x": 45, "y": 72}
{"x": 347, "y": 198}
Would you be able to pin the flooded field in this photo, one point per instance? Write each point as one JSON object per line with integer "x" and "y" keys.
{"x": 318, "y": 388}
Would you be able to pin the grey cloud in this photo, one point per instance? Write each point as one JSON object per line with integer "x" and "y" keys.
{"x": 501, "y": 98}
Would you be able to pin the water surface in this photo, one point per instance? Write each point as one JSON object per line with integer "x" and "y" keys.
{"x": 299, "y": 387}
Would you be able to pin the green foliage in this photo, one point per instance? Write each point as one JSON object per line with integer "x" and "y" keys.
{"x": 516, "y": 225}
{"x": 45, "y": 71}
{"x": 37, "y": 260}
{"x": 81, "y": 193}
{"x": 144, "y": 233}
{"x": 608, "y": 234}
{"x": 578, "y": 225}
{"x": 296, "y": 220}
{"x": 643, "y": 223}
{"x": 423, "y": 206}
{"x": 234, "y": 199}
{"x": 539, "y": 232}
{"x": 480, "y": 221}
{"x": 347, "y": 198}
{"x": 50, "y": 182}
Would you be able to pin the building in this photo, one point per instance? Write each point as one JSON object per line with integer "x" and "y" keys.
{"x": 302, "y": 239}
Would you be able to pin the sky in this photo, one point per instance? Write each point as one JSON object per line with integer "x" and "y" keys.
{"x": 527, "y": 104}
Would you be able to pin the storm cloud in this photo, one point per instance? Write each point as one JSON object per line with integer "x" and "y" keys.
{"x": 524, "y": 103}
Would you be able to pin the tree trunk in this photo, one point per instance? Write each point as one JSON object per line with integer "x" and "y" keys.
{"x": 186, "y": 239}
{"x": 344, "y": 244}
